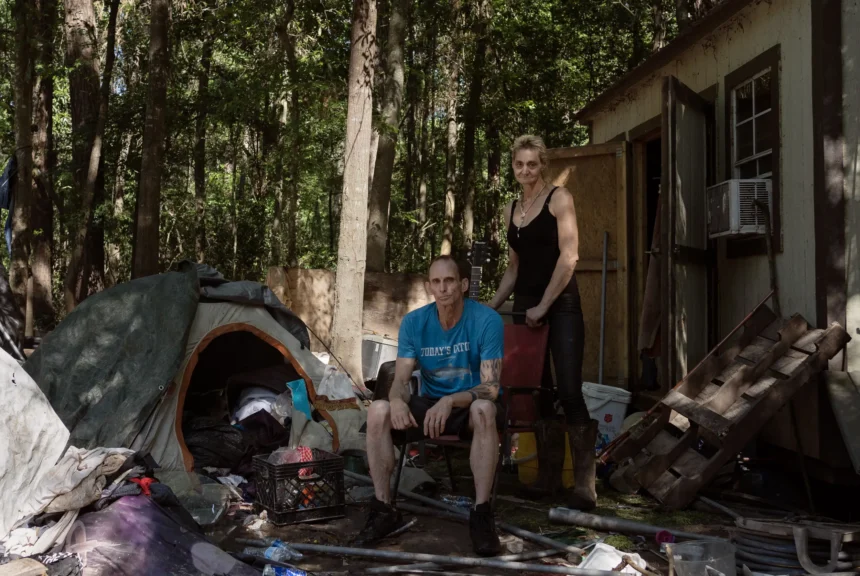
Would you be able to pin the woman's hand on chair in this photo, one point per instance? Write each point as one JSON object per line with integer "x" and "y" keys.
{"x": 534, "y": 316}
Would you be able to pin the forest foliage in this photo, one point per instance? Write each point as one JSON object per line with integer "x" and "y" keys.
{"x": 255, "y": 115}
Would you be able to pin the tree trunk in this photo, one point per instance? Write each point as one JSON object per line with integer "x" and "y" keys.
{"x": 427, "y": 146}
{"x": 200, "y": 147}
{"x": 145, "y": 253}
{"x": 660, "y": 26}
{"x": 494, "y": 181}
{"x": 44, "y": 162}
{"x": 682, "y": 15}
{"x": 473, "y": 113}
{"x": 19, "y": 272}
{"x": 352, "y": 244}
{"x": 295, "y": 162}
{"x": 89, "y": 116}
{"x": 392, "y": 100}
{"x": 451, "y": 169}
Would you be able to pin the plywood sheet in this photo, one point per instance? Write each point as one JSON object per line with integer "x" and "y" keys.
{"x": 593, "y": 181}
{"x": 589, "y": 292}
{"x": 310, "y": 294}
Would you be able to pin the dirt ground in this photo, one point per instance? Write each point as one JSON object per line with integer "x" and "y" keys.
{"x": 438, "y": 536}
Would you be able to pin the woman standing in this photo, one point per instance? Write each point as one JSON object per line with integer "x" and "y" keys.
{"x": 544, "y": 249}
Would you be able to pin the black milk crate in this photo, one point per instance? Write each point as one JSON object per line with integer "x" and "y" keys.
{"x": 289, "y": 499}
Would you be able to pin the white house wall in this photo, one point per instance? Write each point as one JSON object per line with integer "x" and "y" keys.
{"x": 744, "y": 282}
{"x": 851, "y": 125}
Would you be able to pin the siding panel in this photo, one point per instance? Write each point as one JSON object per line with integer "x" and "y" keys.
{"x": 743, "y": 282}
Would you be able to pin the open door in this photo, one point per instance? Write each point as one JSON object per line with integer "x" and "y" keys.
{"x": 684, "y": 240}
{"x": 597, "y": 177}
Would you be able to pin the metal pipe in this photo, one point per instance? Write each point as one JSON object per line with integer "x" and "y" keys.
{"x": 720, "y": 507}
{"x": 432, "y": 566}
{"x": 567, "y": 516}
{"x": 459, "y": 514}
{"x": 453, "y": 560}
{"x": 603, "y": 308}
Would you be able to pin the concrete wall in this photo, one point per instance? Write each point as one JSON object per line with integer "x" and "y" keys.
{"x": 851, "y": 120}
{"x": 745, "y": 281}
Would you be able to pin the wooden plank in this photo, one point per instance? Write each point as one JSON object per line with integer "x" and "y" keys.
{"x": 756, "y": 349}
{"x": 690, "y": 463}
{"x": 747, "y": 376}
{"x": 680, "y": 422}
{"x": 582, "y": 151}
{"x": 640, "y": 435}
{"x": 760, "y": 387}
{"x": 663, "y": 486}
{"x": 704, "y": 417}
{"x": 707, "y": 393}
{"x": 701, "y": 376}
{"x": 729, "y": 372}
{"x": 807, "y": 342}
{"x": 789, "y": 363}
{"x": 594, "y": 265}
{"x": 667, "y": 449}
{"x": 739, "y": 409}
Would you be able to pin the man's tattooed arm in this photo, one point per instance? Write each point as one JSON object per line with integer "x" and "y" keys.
{"x": 491, "y": 373}
{"x": 488, "y": 389}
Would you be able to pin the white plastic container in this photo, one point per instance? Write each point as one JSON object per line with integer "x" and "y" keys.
{"x": 607, "y": 405}
{"x": 376, "y": 351}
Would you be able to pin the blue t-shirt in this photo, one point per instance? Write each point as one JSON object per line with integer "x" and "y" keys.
{"x": 450, "y": 360}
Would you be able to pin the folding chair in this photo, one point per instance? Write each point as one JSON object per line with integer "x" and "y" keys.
{"x": 522, "y": 370}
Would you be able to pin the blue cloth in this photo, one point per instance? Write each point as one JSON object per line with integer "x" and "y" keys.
{"x": 300, "y": 397}
{"x": 450, "y": 360}
{"x": 7, "y": 196}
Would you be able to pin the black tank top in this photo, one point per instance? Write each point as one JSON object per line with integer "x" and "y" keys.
{"x": 538, "y": 251}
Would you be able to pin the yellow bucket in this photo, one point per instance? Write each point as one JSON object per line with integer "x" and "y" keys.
{"x": 528, "y": 471}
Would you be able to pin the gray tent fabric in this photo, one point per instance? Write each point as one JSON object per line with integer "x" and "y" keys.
{"x": 214, "y": 287}
{"x": 108, "y": 364}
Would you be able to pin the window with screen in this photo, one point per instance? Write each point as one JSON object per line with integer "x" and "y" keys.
{"x": 752, "y": 127}
{"x": 752, "y": 138}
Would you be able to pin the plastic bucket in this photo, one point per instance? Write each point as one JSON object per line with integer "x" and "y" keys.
{"x": 607, "y": 405}
{"x": 692, "y": 558}
{"x": 528, "y": 471}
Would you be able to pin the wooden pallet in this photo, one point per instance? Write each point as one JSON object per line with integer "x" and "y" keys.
{"x": 720, "y": 406}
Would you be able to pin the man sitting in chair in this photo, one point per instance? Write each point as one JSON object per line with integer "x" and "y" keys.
{"x": 458, "y": 345}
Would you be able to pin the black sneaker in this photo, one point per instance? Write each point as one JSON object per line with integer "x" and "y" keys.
{"x": 482, "y": 529}
{"x": 382, "y": 520}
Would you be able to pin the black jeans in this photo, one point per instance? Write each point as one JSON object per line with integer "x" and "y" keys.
{"x": 566, "y": 345}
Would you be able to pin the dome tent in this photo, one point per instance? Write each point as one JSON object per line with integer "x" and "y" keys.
{"x": 119, "y": 369}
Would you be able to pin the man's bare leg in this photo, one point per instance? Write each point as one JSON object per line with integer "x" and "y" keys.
{"x": 485, "y": 447}
{"x": 380, "y": 448}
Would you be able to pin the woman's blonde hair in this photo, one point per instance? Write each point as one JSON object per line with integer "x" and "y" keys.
{"x": 530, "y": 142}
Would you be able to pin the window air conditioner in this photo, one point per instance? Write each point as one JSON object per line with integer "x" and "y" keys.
{"x": 732, "y": 210}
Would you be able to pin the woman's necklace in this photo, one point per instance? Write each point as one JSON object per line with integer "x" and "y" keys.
{"x": 524, "y": 211}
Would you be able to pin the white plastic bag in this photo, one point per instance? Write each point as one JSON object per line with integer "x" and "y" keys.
{"x": 605, "y": 557}
{"x": 335, "y": 385}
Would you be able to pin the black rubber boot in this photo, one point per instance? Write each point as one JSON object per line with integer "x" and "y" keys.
{"x": 582, "y": 440}
{"x": 382, "y": 520}
{"x": 482, "y": 529}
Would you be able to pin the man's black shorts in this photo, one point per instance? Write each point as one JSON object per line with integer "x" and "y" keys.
{"x": 457, "y": 423}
